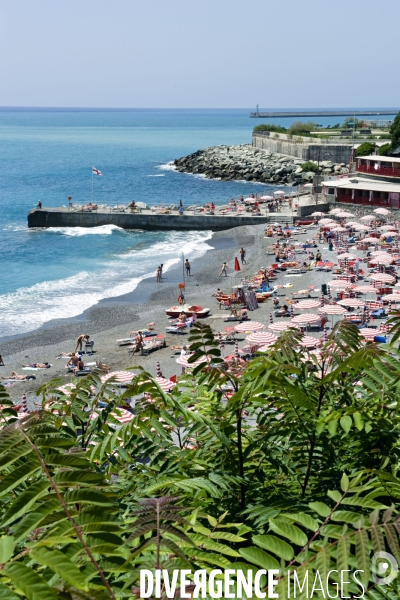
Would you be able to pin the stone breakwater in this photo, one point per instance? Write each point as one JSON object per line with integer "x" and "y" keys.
{"x": 251, "y": 164}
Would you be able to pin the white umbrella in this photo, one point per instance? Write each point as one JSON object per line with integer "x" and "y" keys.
{"x": 387, "y": 228}
{"x": 279, "y": 193}
{"x": 309, "y": 342}
{"x": 119, "y": 376}
{"x": 332, "y": 309}
{"x": 326, "y": 221}
{"x": 307, "y": 304}
{"x": 249, "y": 326}
{"x": 368, "y": 218}
{"x": 360, "y": 227}
{"x": 339, "y": 230}
{"x": 351, "y": 302}
{"x": 365, "y": 289}
{"x": 317, "y": 214}
{"x": 382, "y": 260}
{"x": 339, "y": 283}
{"x": 391, "y": 297}
{"x": 165, "y": 384}
{"x": 384, "y": 277}
{"x": 305, "y": 319}
{"x": 346, "y": 255}
{"x": 266, "y": 197}
{"x": 371, "y": 240}
{"x": 183, "y": 361}
{"x": 382, "y": 211}
{"x": 262, "y": 338}
{"x": 344, "y": 213}
{"x": 279, "y": 327}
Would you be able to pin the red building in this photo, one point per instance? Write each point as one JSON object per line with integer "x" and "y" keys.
{"x": 353, "y": 190}
{"x": 379, "y": 166}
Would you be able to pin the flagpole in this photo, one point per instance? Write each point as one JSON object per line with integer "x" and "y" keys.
{"x": 92, "y": 184}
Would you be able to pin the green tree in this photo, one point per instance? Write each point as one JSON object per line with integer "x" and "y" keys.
{"x": 270, "y": 127}
{"x": 395, "y": 132}
{"x": 289, "y": 462}
{"x": 365, "y": 149}
{"x": 385, "y": 149}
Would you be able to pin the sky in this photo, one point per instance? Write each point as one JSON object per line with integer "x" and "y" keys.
{"x": 200, "y": 54}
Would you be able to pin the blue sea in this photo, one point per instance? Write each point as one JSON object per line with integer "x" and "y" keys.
{"x": 47, "y": 155}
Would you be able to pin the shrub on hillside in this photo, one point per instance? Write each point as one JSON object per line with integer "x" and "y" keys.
{"x": 301, "y": 128}
{"x": 385, "y": 149}
{"x": 365, "y": 149}
{"x": 309, "y": 166}
{"x": 270, "y": 127}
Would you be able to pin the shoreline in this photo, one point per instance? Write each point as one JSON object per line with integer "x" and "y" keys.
{"x": 111, "y": 318}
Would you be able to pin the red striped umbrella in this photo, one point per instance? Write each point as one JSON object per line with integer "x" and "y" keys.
{"x": 352, "y": 302}
{"x": 261, "y": 338}
{"x": 123, "y": 416}
{"x": 309, "y": 342}
{"x": 264, "y": 347}
{"x": 382, "y": 260}
{"x": 332, "y": 309}
{"x": 249, "y": 326}
{"x": 165, "y": 384}
{"x": 307, "y": 304}
{"x": 340, "y": 283}
{"x": 382, "y": 277}
{"x": 365, "y": 289}
{"x": 183, "y": 361}
{"x": 391, "y": 297}
{"x": 282, "y": 326}
{"x": 119, "y": 376}
{"x": 305, "y": 319}
{"x": 346, "y": 255}
{"x": 366, "y": 332}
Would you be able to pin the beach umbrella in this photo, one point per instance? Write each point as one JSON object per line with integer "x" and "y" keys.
{"x": 326, "y": 221}
{"x": 305, "y": 319}
{"x": 371, "y": 240}
{"x": 365, "y": 289}
{"x": 317, "y": 214}
{"x": 344, "y": 213}
{"x": 339, "y": 283}
{"x": 339, "y": 230}
{"x": 307, "y": 304}
{"x": 391, "y": 297}
{"x": 236, "y": 265}
{"x": 279, "y": 193}
{"x": 266, "y": 197}
{"x": 332, "y": 309}
{"x": 346, "y": 255}
{"x": 382, "y": 260}
{"x": 165, "y": 384}
{"x": 264, "y": 347}
{"x": 309, "y": 342}
{"x": 118, "y": 376}
{"x": 360, "y": 227}
{"x": 351, "y": 302}
{"x": 249, "y": 326}
{"x": 261, "y": 338}
{"x": 386, "y": 227}
{"x": 183, "y": 361}
{"x": 333, "y": 211}
{"x": 381, "y": 211}
{"x": 368, "y": 218}
{"x": 282, "y": 326}
{"x": 383, "y": 277}
{"x": 368, "y": 333}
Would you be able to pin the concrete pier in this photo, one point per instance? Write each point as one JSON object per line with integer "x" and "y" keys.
{"x": 146, "y": 219}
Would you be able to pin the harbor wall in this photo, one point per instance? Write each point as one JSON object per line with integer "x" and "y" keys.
{"x": 149, "y": 222}
{"x": 304, "y": 150}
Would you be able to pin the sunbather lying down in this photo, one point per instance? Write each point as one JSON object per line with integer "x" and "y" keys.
{"x": 66, "y": 355}
{"x": 14, "y": 375}
{"x": 38, "y": 366}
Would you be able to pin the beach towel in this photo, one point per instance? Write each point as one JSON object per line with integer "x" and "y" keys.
{"x": 33, "y": 368}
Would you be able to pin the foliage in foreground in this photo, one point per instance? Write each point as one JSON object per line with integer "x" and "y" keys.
{"x": 294, "y": 468}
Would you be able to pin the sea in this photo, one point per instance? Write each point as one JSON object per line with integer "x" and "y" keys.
{"x": 48, "y": 155}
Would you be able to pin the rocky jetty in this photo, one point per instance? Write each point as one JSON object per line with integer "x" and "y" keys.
{"x": 252, "y": 164}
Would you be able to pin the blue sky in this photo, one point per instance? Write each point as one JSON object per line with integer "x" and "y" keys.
{"x": 204, "y": 53}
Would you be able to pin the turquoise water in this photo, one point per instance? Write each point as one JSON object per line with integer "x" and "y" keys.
{"x": 47, "y": 155}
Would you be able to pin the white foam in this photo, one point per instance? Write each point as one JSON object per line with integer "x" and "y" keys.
{"x": 160, "y": 175}
{"x": 30, "y": 307}
{"x": 167, "y": 167}
{"x": 79, "y": 231}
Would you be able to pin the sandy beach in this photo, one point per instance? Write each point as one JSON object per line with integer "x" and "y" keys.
{"x": 111, "y": 319}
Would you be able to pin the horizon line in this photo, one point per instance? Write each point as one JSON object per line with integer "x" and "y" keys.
{"x": 116, "y": 108}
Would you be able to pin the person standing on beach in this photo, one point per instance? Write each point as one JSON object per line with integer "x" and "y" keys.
{"x": 187, "y": 267}
{"x": 243, "y": 255}
{"x": 223, "y": 270}
{"x": 158, "y": 274}
{"x": 79, "y": 341}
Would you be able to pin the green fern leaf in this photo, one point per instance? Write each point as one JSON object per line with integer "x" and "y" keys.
{"x": 258, "y": 557}
{"x": 291, "y": 532}
{"x": 362, "y": 555}
{"x": 274, "y": 545}
{"x": 61, "y": 565}
{"x": 30, "y": 584}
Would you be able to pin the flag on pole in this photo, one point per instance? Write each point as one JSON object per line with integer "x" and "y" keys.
{"x": 96, "y": 171}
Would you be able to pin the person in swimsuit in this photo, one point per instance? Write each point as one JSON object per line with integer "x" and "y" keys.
{"x": 223, "y": 270}
{"x": 38, "y": 366}
{"x": 138, "y": 343}
{"x": 80, "y": 339}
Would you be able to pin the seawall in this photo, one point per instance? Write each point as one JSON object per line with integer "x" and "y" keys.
{"x": 337, "y": 152}
{"x": 145, "y": 220}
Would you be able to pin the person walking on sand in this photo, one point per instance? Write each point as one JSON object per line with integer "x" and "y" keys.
{"x": 1, "y": 361}
{"x": 187, "y": 267}
{"x": 223, "y": 270}
{"x": 79, "y": 341}
{"x": 243, "y": 255}
{"x": 158, "y": 274}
